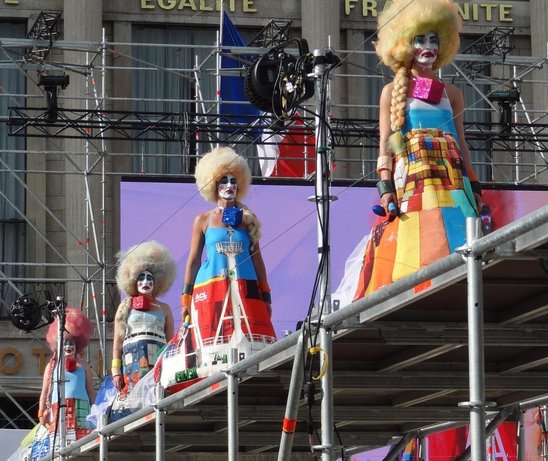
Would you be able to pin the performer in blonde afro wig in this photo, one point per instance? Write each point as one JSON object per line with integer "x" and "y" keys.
{"x": 427, "y": 185}
{"x": 218, "y": 163}
{"x": 223, "y": 177}
{"x": 401, "y": 21}
{"x": 398, "y": 24}
{"x": 221, "y": 162}
{"x": 147, "y": 256}
{"x": 143, "y": 324}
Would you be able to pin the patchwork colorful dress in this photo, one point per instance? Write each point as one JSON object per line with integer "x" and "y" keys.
{"x": 144, "y": 340}
{"x": 434, "y": 197}
{"x": 213, "y": 306}
{"x": 76, "y": 400}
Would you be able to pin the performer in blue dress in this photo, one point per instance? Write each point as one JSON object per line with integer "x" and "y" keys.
{"x": 223, "y": 177}
{"x": 424, "y": 166}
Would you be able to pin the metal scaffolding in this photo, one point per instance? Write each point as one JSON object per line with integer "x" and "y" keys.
{"x": 97, "y": 125}
{"x": 519, "y": 240}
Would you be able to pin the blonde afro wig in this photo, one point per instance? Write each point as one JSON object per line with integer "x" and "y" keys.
{"x": 402, "y": 20}
{"x": 78, "y": 329}
{"x": 147, "y": 256}
{"x": 218, "y": 163}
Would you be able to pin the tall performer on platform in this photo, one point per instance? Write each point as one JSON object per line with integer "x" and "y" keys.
{"x": 427, "y": 185}
{"x": 214, "y": 288}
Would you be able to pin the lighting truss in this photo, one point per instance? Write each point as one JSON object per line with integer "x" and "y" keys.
{"x": 46, "y": 27}
{"x": 497, "y": 42}
{"x": 273, "y": 34}
{"x": 198, "y": 127}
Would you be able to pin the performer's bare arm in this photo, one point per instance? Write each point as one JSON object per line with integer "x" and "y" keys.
{"x": 117, "y": 342}
{"x": 260, "y": 269}
{"x": 43, "y": 412}
{"x": 385, "y": 132}
{"x": 89, "y": 381}
{"x": 169, "y": 325}
{"x": 195, "y": 255}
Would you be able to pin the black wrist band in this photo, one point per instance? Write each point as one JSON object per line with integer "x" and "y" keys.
{"x": 385, "y": 186}
{"x": 188, "y": 288}
{"x": 476, "y": 187}
{"x": 267, "y": 298}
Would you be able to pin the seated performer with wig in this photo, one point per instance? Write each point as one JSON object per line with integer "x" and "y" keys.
{"x": 427, "y": 185}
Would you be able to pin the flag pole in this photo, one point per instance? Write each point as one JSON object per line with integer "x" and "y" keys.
{"x": 218, "y": 64}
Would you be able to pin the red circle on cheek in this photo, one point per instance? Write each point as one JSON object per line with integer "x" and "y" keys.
{"x": 418, "y": 51}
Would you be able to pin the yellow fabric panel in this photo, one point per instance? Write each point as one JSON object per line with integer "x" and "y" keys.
{"x": 407, "y": 258}
{"x": 445, "y": 198}
{"x": 429, "y": 198}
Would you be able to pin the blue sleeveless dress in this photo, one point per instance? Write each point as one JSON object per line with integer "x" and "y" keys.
{"x": 213, "y": 283}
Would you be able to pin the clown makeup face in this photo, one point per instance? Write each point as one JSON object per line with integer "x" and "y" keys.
{"x": 145, "y": 283}
{"x": 426, "y": 49}
{"x": 69, "y": 347}
{"x": 227, "y": 187}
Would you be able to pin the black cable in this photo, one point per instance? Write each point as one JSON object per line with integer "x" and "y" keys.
{"x": 322, "y": 204}
{"x": 343, "y": 453}
{"x": 58, "y": 414}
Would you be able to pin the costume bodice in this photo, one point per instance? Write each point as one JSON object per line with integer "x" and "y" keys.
{"x": 75, "y": 384}
{"x": 420, "y": 114}
{"x": 216, "y": 264}
{"x": 150, "y": 324}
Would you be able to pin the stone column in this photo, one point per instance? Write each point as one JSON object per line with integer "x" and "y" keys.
{"x": 321, "y": 28}
{"x": 82, "y": 23}
{"x": 321, "y": 23}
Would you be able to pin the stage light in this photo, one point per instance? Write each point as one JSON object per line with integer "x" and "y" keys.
{"x": 27, "y": 315}
{"x": 510, "y": 96}
{"x": 278, "y": 81}
{"x": 60, "y": 81}
{"x": 51, "y": 84}
{"x": 506, "y": 100}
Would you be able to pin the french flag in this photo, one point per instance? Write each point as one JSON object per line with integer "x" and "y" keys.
{"x": 288, "y": 155}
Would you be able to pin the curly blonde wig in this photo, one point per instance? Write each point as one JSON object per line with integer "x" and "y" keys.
{"x": 401, "y": 21}
{"x": 218, "y": 163}
{"x": 78, "y": 329}
{"x": 147, "y": 256}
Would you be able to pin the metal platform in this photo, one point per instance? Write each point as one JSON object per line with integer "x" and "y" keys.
{"x": 400, "y": 361}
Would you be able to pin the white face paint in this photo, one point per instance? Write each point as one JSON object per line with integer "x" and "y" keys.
{"x": 69, "y": 347}
{"x": 227, "y": 187}
{"x": 145, "y": 283}
{"x": 426, "y": 49}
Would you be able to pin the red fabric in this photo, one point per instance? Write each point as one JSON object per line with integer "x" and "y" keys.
{"x": 209, "y": 300}
{"x": 446, "y": 445}
{"x": 140, "y": 303}
{"x": 507, "y": 432}
{"x": 291, "y": 160}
